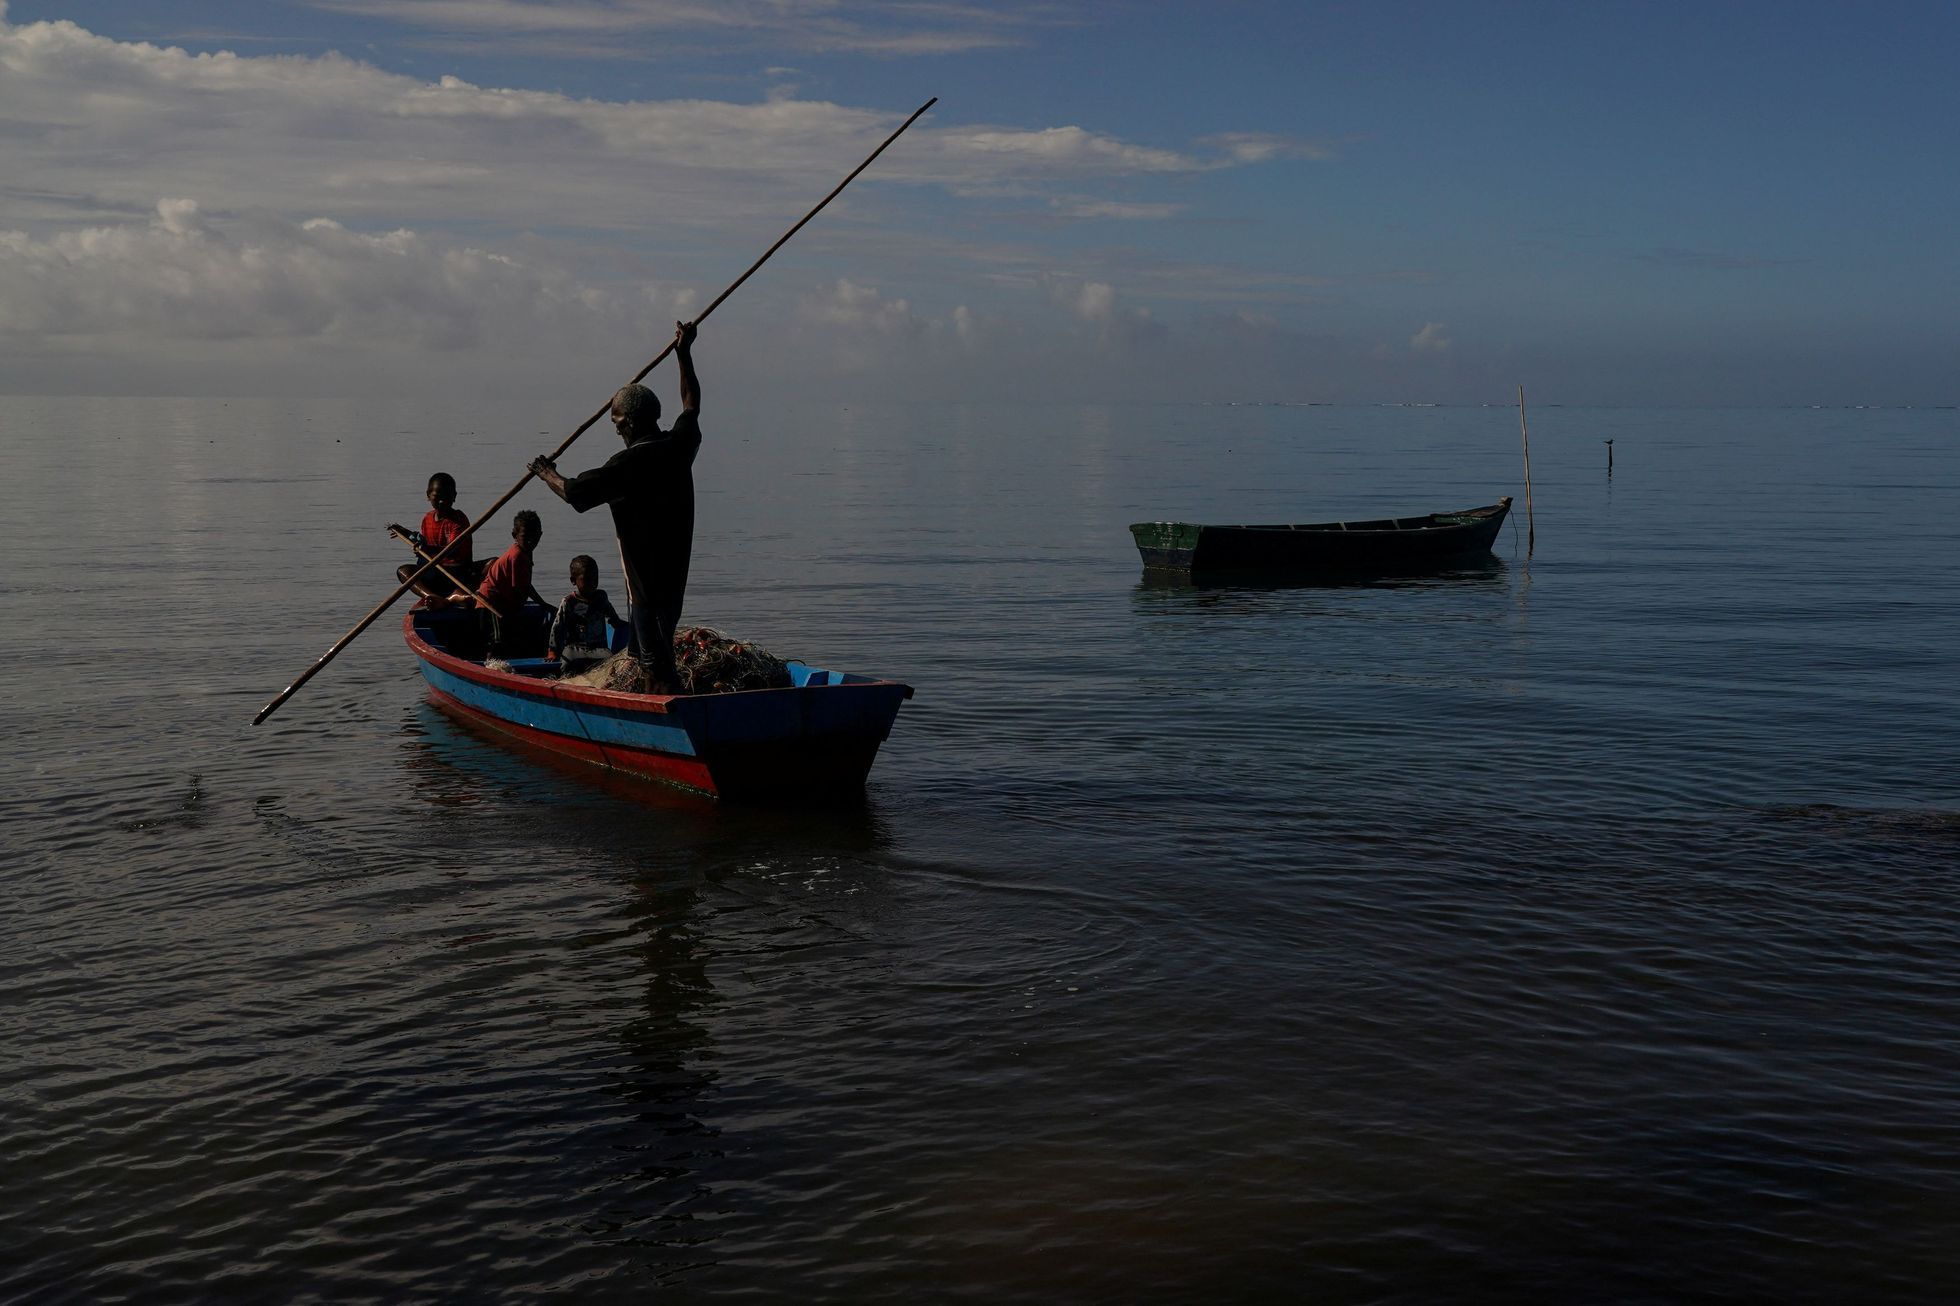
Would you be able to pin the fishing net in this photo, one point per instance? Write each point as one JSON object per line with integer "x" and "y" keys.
{"x": 619, "y": 672}
{"x": 709, "y": 662}
{"x": 712, "y": 663}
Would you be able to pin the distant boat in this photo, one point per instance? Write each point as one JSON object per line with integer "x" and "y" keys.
{"x": 816, "y": 738}
{"x": 1388, "y": 544}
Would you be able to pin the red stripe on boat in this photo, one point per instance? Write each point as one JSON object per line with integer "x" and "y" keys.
{"x": 689, "y": 771}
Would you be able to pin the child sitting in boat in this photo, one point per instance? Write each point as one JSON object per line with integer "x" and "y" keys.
{"x": 441, "y": 524}
{"x": 579, "y": 633}
{"x": 506, "y": 584}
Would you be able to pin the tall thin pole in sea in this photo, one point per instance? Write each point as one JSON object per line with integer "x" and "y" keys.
{"x": 1530, "y": 524}
{"x": 524, "y": 480}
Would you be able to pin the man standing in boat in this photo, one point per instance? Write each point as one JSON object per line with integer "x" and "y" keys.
{"x": 650, "y": 486}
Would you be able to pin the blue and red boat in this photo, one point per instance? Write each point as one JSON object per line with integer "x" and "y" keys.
{"x": 816, "y": 738}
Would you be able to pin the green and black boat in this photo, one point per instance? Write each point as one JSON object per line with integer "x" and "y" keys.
{"x": 1385, "y": 545}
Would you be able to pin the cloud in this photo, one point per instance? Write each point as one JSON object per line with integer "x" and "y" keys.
{"x": 1116, "y": 325}
{"x": 609, "y": 27}
{"x": 1095, "y": 301}
{"x": 1063, "y": 150}
{"x": 1432, "y": 339}
{"x": 1242, "y": 325}
{"x": 180, "y": 276}
{"x": 107, "y": 126}
{"x": 1267, "y": 147}
{"x": 1116, "y": 210}
{"x": 1704, "y": 261}
{"x": 159, "y": 206}
{"x": 847, "y": 328}
{"x": 860, "y": 308}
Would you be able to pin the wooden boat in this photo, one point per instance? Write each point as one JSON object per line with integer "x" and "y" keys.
{"x": 817, "y": 738}
{"x": 1389, "y": 544}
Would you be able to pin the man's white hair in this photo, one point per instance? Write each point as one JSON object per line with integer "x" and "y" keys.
{"x": 636, "y": 402}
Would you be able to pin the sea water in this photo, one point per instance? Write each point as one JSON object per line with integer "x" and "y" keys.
{"x": 1578, "y": 925}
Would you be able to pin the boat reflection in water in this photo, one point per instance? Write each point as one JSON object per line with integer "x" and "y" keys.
{"x": 1486, "y": 571}
{"x": 459, "y": 761}
{"x": 676, "y": 942}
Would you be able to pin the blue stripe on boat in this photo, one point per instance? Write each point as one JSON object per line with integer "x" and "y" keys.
{"x": 586, "y": 721}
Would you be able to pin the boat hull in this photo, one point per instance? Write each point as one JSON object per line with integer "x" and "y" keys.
{"x": 815, "y": 739}
{"x": 1381, "y": 546}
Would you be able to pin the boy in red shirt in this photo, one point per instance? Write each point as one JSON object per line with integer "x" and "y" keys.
{"x": 441, "y": 524}
{"x": 506, "y": 582}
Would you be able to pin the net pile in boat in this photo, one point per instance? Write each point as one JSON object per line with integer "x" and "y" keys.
{"x": 709, "y": 662}
{"x": 712, "y": 663}
{"x": 620, "y": 672}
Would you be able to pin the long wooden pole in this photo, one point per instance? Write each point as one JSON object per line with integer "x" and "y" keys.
{"x": 1530, "y": 523}
{"x": 286, "y": 693}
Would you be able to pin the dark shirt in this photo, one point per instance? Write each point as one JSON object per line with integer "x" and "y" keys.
{"x": 650, "y": 485}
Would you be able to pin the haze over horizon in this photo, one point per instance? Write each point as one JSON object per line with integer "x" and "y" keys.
{"x": 1623, "y": 204}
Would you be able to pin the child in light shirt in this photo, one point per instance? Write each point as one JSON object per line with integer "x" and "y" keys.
{"x": 578, "y": 632}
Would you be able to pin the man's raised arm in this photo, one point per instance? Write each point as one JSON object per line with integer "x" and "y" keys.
{"x": 683, "y": 353}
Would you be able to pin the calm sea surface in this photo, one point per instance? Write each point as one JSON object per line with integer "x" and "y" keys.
{"x": 1580, "y": 928}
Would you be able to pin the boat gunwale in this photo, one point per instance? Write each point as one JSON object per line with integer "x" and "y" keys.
{"x": 617, "y": 701}
{"x": 1477, "y": 517}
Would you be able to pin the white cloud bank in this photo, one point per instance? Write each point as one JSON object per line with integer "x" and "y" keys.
{"x": 179, "y": 276}
{"x": 106, "y": 126}
{"x": 610, "y": 27}
{"x": 158, "y": 205}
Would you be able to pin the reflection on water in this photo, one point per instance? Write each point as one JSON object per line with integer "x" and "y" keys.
{"x": 1387, "y": 606}
{"x": 454, "y": 760}
{"x": 1488, "y": 571}
{"x": 712, "y": 907}
{"x": 450, "y": 744}
{"x": 660, "y": 1182}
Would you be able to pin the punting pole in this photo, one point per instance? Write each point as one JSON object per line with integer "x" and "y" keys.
{"x": 1530, "y": 525}
{"x": 286, "y": 693}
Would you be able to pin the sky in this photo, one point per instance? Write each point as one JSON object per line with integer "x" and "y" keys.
{"x": 1633, "y": 204}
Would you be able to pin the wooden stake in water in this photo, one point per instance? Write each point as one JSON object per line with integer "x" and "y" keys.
{"x": 484, "y": 516}
{"x": 1530, "y": 524}
{"x": 1609, "y": 460}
